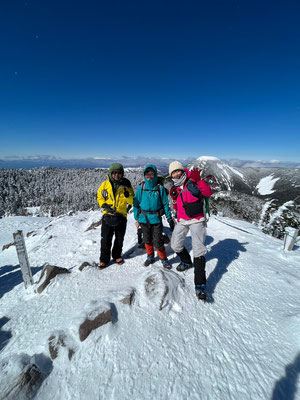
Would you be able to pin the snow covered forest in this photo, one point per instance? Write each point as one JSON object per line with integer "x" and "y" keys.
{"x": 55, "y": 191}
{"x": 58, "y": 191}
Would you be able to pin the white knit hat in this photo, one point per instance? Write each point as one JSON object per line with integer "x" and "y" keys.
{"x": 174, "y": 166}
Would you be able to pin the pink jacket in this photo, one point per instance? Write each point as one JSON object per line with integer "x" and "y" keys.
{"x": 189, "y": 198}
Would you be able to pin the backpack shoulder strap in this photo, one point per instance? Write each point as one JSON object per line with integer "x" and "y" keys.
{"x": 142, "y": 184}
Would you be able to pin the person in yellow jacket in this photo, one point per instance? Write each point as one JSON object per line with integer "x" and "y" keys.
{"x": 114, "y": 195}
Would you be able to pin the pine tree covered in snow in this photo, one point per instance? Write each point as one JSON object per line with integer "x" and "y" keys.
{"x": 55, "y": 190}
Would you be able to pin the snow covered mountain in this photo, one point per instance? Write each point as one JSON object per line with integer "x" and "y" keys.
{"x": 157, "y": 341}
{"x": 282, "y": 184}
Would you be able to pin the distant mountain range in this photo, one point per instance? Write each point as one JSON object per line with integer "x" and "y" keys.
{"x": 39, "y": 161}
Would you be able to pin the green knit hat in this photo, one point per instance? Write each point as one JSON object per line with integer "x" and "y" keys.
{"x": 115, "y": 167}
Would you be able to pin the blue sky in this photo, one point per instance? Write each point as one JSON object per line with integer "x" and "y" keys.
{"x": 163, "y": 78}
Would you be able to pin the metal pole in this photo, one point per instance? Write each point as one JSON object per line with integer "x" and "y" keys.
{"x": 23, "y": 258}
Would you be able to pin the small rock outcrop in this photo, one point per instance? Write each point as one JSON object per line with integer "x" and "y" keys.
{"x": 96, "y": 314}
{"x": 84, "y": 265}
{"x": 94, "y": 225}
{"x": 55, "y": 342}
{"x": 49, "y": 272}
{"x": 89, "y": 325}
{"x": 32, "y": 233}
{"x": 26, "y": 384}
{"x": 7, "y": 246}
{"x": 129, "y": 299}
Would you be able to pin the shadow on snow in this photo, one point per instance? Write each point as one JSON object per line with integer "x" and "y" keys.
{"x": 13, "y": 277}
{"x": 286, "y": 387}
{"x": 4, "y": 335}
{"x": 225, "y": 252}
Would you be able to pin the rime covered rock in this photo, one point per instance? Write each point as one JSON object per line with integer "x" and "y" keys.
{"x": 24, "y": 375}
{"x": 57, "y": 341}
{"x": 26, "y": 384}
{"x": 161, "y": 288}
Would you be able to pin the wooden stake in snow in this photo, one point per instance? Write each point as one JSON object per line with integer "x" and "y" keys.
{"x": 23, "y": 258}
{"x": 290, "y": 238}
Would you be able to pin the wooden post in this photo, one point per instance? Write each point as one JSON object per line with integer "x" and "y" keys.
{"x": 290, "y": 238}
{"x": 23, "y": 258}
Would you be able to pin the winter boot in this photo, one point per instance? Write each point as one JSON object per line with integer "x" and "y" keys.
{"x": 149, "y": 260}
{"x": 183, "y": 266}
{"x": 166, "y": 264}
{"x": 200, "y": 292}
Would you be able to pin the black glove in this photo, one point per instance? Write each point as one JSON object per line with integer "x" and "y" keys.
{"x": 126, "y": 193}
{"x": 108, "y": 207}
{"x": 172, "y": 224}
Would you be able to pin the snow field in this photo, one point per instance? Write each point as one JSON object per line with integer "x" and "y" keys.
{"x": 235, "y": 346}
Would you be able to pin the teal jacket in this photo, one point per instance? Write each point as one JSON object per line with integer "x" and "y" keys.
{"x": 150, "y": 200}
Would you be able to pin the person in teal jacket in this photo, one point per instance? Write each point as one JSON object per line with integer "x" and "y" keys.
{"x": 149, "y": 204}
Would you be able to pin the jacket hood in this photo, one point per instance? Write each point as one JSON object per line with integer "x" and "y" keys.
{"x": 151, "y": 166}
{"x": 152, "y": 182}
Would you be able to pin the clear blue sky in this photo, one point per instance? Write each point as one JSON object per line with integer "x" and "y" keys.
{"x": 164, "y": 78}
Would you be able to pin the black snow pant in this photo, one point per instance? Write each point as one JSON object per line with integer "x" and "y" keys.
{"x": 199, "y": 265}
{"x": 153, "y": 234}
{"x": 107, "y": 232}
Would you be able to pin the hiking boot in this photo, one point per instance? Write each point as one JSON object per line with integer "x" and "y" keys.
{"x": 149, "y": 260}
{"x": 166, "y": 263}
{"x": 183, "y": 266}
{"x": 200, "y": 292}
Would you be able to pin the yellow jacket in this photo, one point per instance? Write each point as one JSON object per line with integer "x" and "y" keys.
{"x": 119, "y": 201}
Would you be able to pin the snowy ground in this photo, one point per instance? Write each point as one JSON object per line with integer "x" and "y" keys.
{"x": 244, "y": 343}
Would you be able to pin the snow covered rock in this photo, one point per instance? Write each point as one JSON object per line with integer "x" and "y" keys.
{"x": 94, "y": 225}
{"x": 57, "y": 341}
{"x": 49, "y": 272}
{"x": 84, "y": 265}
{"x": 7, "y": 246}
{"x": 23, "y": 375}
{"x": 161, "y": 287}
{"x": 26, "y": 385}
{"x": 129, "y": 299}
{"x": 98, "y": 313}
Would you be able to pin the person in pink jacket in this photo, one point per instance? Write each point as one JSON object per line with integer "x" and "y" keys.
{"x": 187, "y": 196}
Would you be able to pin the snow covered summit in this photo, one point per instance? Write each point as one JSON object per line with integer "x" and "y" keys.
{"x": 180, "y": 348}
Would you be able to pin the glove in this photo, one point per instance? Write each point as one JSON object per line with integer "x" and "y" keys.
{"x": 173, "y": 193}
{"x": 108, "y": 207}
{"x": 195, "y": 175}
{"x": 172, "y": 224}
{"x": 126, "y": 193}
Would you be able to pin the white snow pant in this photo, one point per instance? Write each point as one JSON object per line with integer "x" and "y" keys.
{"x": 198, "y": 234}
